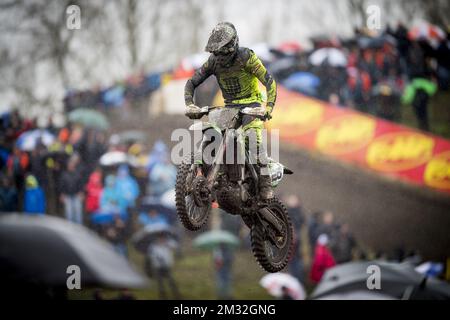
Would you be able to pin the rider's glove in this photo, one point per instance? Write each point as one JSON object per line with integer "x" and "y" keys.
{"x": 268, "y": 113}
{"x": 193, "y": 112}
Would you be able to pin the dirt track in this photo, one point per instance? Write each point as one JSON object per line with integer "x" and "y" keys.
{"x": 383, "y": 213}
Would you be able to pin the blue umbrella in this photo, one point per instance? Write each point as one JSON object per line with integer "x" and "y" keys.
{"x": 304, "y": 82}
{"x": 114, "y": 96}
{"x": 28, "y": 140}
{"x": 106, "y": 217}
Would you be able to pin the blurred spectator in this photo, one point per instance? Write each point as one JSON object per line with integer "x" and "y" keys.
{"x": 229, "y": 222}
{"x": 359, "y": 86}
{"x": 18, "y": 164}
{"x": 9, "y": 198}
{"x": 91, "y": 147}
{"x": 313, "y": 229}
{"x": 417, "y": 93}
{"x": 116, "y": 234}
{"x": 111, "y": 200}
{"x": 387, "y": 98}
{"x": 343, "y": 245}
{"x": 417, "y": 66}
{"x": 403, "y": 44}
{"x": 328, "y": 226}
{"x": 443, "y": 61}
{"x": 136, "y": 151}
{"x": 93, "y": 190}
{"x": 37, "y": 162}
{"x": 161, "y": 258}
{"x": 162, "y": 177}
{"x": 58, "y": 154}
{"x": 295, "y": 265}
{"x": 34, "y": 197}
{"x": 127, "y": 186}
{"x": 420, "y": 105}
{"x": 323, "y": 259}
{"x": 71, "y": 189}
{"x": 223, "y": 256}
{"x": 159, "y": 153}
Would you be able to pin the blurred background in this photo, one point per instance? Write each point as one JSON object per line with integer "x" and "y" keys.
{"x": 364, "y": 119}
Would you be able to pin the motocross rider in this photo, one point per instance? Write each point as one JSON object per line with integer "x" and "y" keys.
{"x": 237, "y": 70}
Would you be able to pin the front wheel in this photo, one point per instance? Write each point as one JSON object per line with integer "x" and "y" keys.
{"x": 192, "y": 200}
{"x": 273, "y": 249}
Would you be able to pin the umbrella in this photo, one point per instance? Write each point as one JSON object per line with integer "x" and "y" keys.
{"x": 376, "y": 42}
{"x": 274, "y": 283}
{"x": 427, "y": 31}
{"x": 322, "y": 41}
{"x": 106, "y": 217}
{"x": 132, "y": 136}
{"x": 213, "y": 238}
{"x": 168, "y": 199}
{"x": 304, "y": 82}
{"x": 114, "y": 96}
{"x": 398, "y": 280}
{"x": 331, "y": 56}
{"x": 430, "y": 269}
{"x": 418, "y": 84}
{"x": 28, "y": 140}
{"x": 89, "y": 118}
{"x": 113, "y": 158}
{"x": 144, "y": 237}
{"x": 37, "y": 251}
{"x": 357, "y": 295}
{"x": 152, "y": 203}
{"x": 289, "y": 47}
{"x": 281, "y": 65}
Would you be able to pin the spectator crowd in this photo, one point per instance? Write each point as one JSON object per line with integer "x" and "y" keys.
{"x": 371, "y": 72}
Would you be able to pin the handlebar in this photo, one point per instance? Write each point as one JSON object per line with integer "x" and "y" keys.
{"x": 251, "y": 111}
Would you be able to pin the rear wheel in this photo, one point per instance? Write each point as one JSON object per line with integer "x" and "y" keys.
{"x": 273, "y": 249}
{"x": 191, "y": 196}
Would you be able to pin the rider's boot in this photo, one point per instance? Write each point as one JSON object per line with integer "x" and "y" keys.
{"x": 265, "y": 186}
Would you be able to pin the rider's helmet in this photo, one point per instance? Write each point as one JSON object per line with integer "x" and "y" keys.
{"x": 223, "y": 42}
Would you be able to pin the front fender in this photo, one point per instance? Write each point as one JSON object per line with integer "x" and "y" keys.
{"x": 203, "y": 126}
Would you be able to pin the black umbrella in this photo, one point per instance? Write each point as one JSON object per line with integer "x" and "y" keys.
{"x": 398, "y": 280}
{"x": 144, "y": 237}
{"x": 376, "y": 42}
{"x": 283, "y": 66}
{"x": 37, "y": 251}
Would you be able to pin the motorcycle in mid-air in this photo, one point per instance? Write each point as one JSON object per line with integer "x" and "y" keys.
{"x": 234, "y": 187}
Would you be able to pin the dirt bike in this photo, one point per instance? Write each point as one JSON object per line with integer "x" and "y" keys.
{"x": 235, "y": 188}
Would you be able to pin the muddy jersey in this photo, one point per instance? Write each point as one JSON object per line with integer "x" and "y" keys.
{"x": 238, "y": 80}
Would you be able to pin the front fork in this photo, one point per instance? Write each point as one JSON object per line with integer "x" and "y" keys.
{"x": 218, "y": 159}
